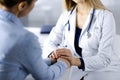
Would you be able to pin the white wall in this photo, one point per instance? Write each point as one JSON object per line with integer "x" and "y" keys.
{"x": 44, "y": 12}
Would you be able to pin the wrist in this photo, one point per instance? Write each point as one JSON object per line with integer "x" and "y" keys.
{"x": 77, "y": 62}
{"x": 65, "y": 61}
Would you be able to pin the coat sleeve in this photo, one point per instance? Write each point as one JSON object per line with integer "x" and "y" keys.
{"x": 29, "y": 53}
{"x": 105, "y": 50}
{"x": 55, "y": 37}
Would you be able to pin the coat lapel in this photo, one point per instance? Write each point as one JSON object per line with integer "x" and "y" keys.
{"x": 71, "y": 33}
{"x": 85, "y": 27}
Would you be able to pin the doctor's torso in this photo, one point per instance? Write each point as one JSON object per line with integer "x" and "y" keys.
{"x": 87, "y": 42}
{"x": 98, "y": 43}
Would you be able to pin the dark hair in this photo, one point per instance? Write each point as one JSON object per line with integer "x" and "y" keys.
{"x": 11, "y": 3}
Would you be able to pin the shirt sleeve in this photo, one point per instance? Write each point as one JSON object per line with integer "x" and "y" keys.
{"x": 47, "y": 61}
{"x": 55, "y": 37}
{"x": 30, "y": 57}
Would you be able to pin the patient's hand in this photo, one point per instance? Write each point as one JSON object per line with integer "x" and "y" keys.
{"x": 53, "y": 58}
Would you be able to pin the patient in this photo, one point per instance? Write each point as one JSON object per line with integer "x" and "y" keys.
{"x": 20, "y": 52}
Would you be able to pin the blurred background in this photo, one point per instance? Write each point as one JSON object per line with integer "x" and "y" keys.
{"x": 45, "y": 12}
{"x": 114, "y": 6}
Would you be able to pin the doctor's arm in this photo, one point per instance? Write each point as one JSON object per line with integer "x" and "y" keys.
{"x": 55, "y": 37}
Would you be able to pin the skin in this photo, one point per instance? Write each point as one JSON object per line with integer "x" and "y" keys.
{"x": 66, "y": 54}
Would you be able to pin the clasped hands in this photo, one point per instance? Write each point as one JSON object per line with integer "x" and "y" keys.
{"x": 65, "y": 55}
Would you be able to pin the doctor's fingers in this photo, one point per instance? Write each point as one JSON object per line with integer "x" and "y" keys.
{"x": 63, "y": 50}
{"x": 64, "y": 53}
{"x": 69, "y": 58}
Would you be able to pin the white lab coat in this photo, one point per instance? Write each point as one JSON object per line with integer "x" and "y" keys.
{"x": 98, "y": 50}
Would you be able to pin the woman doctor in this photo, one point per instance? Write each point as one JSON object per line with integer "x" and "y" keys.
{"x": 86, "y": 31}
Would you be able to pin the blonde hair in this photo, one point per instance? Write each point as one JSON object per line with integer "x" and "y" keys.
{"x": 97, "y": 4}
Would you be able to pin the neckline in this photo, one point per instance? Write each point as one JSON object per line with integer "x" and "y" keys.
{"x": 78, "y": 28}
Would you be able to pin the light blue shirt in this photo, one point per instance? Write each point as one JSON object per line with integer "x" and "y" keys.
{"x": 20, "y": 52}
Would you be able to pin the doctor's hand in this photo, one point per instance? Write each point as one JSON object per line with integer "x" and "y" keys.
{"x": 65, "y": 60}
{"x": 66, "y": 54}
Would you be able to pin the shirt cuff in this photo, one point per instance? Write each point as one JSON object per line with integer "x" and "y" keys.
{"x": 47, "y": 61}
{"x": 82, "y": 64}
{"x": 63, "y": 63}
